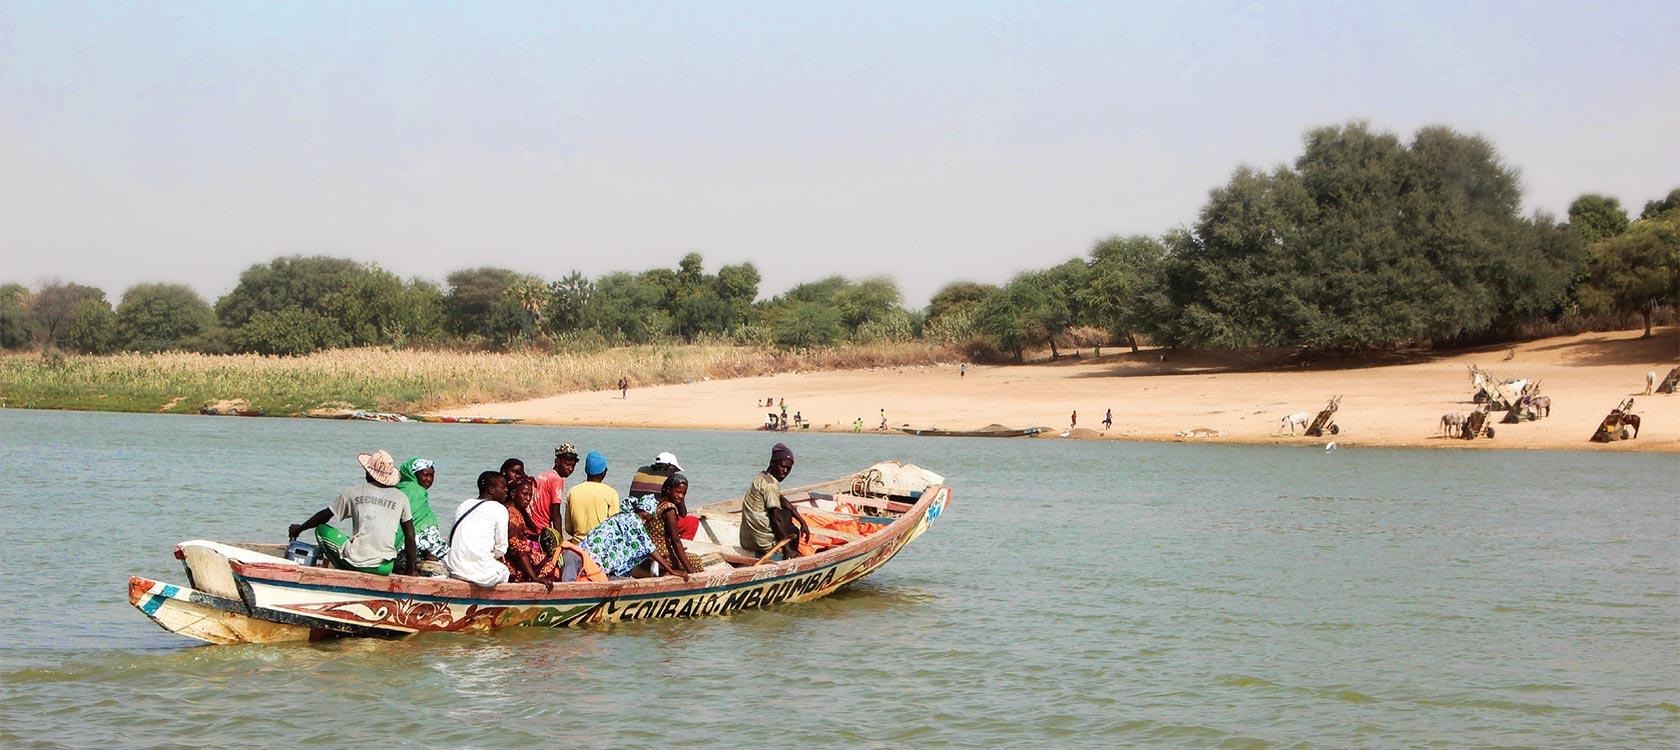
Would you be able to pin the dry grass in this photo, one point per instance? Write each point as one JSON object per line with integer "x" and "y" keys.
{"x": 400, "y": 380}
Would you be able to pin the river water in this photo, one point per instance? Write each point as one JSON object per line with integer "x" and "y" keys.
{"x": 1091, "y": 594}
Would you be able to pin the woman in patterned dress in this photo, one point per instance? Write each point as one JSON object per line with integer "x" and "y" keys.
{"x": 530, "y": 563}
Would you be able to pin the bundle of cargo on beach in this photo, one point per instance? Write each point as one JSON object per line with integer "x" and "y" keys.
{"x": 251, "y": 593}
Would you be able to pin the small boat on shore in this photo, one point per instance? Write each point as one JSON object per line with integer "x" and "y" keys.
{"x": 378, "y": 416}
{"x": 249, "y": 593}
{"x": 439, "y": 418}
{"x": 991, "y": 431}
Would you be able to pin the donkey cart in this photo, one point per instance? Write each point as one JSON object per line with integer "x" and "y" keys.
{"x": 1476, "y": 425}
{"x": 1620, "y": 424}
{"x": 1325, "y": 422}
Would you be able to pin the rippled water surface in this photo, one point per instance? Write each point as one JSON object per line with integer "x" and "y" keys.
{"x": 1075, "y": 594}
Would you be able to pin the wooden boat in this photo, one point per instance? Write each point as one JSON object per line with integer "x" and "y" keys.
{"x": 439, "y": 418}
{"x": 378, "y": 416}
{"x": 248, "y": 593}
{"x": 1006, "y": 432}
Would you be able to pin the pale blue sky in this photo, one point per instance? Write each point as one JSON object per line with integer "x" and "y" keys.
{"x": 931, "y": 142}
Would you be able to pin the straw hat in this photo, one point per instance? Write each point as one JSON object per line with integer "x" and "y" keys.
{"x": 379, "y": 466}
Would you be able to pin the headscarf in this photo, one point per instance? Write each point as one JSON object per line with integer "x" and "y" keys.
{"x": 419, "y": 499}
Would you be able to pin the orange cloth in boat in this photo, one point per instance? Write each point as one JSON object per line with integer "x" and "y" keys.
{"x": 846, "y": 525}
{"x": 591, "y": 570}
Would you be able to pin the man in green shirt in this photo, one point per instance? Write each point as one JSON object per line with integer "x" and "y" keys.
{"x": 376, "y": 509}
{"x": 765, "y": 494}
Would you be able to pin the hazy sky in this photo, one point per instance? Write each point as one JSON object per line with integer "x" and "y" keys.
{"x": 169, "y": 141}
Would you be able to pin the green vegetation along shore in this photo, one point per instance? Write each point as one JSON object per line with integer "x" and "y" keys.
{"x": 397, "y": 380}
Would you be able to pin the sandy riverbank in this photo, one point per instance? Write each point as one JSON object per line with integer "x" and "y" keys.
{"x": 1396, "y": 404}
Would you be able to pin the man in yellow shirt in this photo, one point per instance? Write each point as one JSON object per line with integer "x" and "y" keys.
{"x": 590, "y": 502}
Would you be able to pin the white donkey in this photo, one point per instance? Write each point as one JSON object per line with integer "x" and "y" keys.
{"x": 1452, "y": 424}
{"x": 1298, "y": 418}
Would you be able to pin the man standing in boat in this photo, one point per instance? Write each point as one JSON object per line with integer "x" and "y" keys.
{"x": 759, "y": 534}
{"x": 376, "y": 509}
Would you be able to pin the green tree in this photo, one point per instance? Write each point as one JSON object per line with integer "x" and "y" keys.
{"x": 627, "y": 307}
{"x": 1656, "y": 208}
{"x": 737, "y": 286}
{"x": 1011, "y": 319}
{"x": 568, "y": 298}
{"x": 57, "y": 305}
{"x": 1638, "y": 270}
{"x": 92, "y": 327}
{"x": 1597, "y": 217}
{"x": 807, "y": 324}
{"x": 290, "y": 331}
{"x": 157, "y": 317}
{"x": 303, "y": 282}
{"x": 958, "y": 295}
{"x": 1126, "y": 291}
{"x": 478, "y": 304}
{"x": 1365, "y": 243}
{"x": 16, "y": 327}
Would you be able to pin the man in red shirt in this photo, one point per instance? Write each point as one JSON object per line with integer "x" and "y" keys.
{"x": 545, "y": 507}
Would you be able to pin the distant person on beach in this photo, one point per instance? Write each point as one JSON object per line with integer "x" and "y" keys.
{"x": 1650, "y": 381}
{"x": 547, "y": 508}
{"x": 479, "y": 534}
{"x": 759, "y": 533}
{"x": 377, "y": 510}
{"x": 962, "y": 370}
{"x": 592, "y": 501}
{"x": 1074, "y": 420}
{"x": 1108, "y": 419}
{"x": 624, "y": 388}
{"x": 883, "y": 419}
{"x": 415, "y": 480}
{"x": 858, "y": 425}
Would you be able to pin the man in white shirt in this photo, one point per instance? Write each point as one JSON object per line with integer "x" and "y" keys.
{"x": 479, "y": 537}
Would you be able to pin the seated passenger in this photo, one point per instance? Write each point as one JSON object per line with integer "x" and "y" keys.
{"x": 377, "y": 510}
{"x": 479, "y": 536}
{"x": 527, "y": 556}
{"x": 766, "y": 517}
{"x": 591, "y": 501}
{"x": 662, "y": 524}
{"x": 621, "y": 543}
{"x": 417, "y": 475}
{"x": 650, "y": 480}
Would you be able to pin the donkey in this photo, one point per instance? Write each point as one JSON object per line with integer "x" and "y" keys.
{"x": 1452, "y": 423}
{"x": 1542, "y": 406}
{"x": 1298, "y": 418}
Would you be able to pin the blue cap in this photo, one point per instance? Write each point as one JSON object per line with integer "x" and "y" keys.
{"x": 594, "y": 464}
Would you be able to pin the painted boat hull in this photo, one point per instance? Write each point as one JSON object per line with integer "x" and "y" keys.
{"x": 241, "y": 596}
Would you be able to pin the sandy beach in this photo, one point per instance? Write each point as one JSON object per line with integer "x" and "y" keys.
{"x": 1394, "y": 404}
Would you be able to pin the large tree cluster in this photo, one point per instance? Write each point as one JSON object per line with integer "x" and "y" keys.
{"x": 1365, "y": 241}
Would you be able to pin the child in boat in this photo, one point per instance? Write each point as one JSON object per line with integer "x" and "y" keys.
{"x": 377, "y": 510}
{"x": 662, "y": 524}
